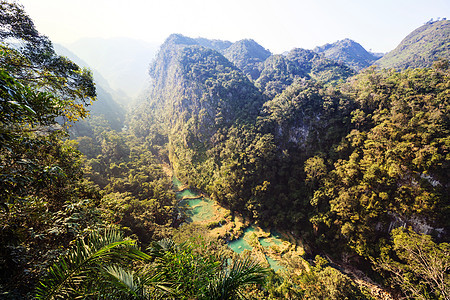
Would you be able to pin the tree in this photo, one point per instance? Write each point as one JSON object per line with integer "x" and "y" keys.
{"x": 315, "y": 169}
{"x": 229, "y": 283}
{"x": 44, "y": 202}
{"x": 422, "y": 268}
{"x": 29, "y": 57}
{"x": 36, "y": 87}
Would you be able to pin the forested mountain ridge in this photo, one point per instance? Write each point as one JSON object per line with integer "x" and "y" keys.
{"x": 323, "y": 156}
{"x": 196, "y": 74}
{"x": 349, "y": 167}
{"x": 420, "y": 48}
{"x": 247, "y": 55}
{"x": 280, "y": 71}
{"x": 197, "y": 94}
{"x": 348, "y": 52}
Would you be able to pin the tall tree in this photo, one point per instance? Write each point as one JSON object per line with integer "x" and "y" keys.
{"x": 44, "y": 203}
{"x": 29, "y": 57}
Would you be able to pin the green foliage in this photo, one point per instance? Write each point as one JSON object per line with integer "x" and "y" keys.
{"x": 420, "y": 266}
{"x": 280, "y": 71}
{"x": 339, "y": 164}
{"x": 137, "y": 194}
{"x": 189, "y": 271}
{"x": 248, "y": 56}
{"x": 35, "y": 63}
{"x": 101, "y": 266}
{"x": 230, "y": 281}
{"x": 397, "y": 162}
{"x": 44, "y": 201}
{"x": 317, "y": 281}
{"x": 85, "y": 268}
{"x": 421, "y": 48}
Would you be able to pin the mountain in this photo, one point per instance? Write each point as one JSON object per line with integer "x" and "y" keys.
{"x": 200, "y": 80}
{"x": 420, "y": 48}
{"x": 123, "y": 61}
{"x": 280, "y": 71}
{"x": 106, "y": 106}
{"x": 348, "y": 52}
{"x": 197, "y": 96}
{"x": 248, "y": 56}
{"x": 218, "y": 45}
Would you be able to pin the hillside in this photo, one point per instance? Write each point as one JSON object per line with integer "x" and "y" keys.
{"x": 420, "y": 48}
{"x": 106, "y": 106}
{"x": 280, "y": 71}
{"x": 198, "y": 94}
{"x": 348, "y": 52}
{"x": 305, "y": 147}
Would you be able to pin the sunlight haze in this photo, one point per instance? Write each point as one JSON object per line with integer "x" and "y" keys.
{"x": 277, "y": 25}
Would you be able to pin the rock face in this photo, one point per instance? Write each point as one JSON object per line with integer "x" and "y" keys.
{"x": 349, "y": 53}
{"x": 199, "y": 86}
{"x": 420, "y": 48}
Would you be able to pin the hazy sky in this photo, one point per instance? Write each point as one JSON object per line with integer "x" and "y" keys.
{"x": 278, "y": 25}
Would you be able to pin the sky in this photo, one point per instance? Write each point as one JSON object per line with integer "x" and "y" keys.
{"x": 278, "y": 25}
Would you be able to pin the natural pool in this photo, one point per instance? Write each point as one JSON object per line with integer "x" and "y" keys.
{"x": 274, "y": 264}
{"x": 200, "y": 209}
{"x": 273, "y": 240}
{"x": 241, "y": 243}
{"x": 176, "y": 183}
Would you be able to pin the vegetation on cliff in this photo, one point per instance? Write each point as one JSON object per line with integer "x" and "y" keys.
{"x": 420, "y": 48}
{"x": 339, "y": 160}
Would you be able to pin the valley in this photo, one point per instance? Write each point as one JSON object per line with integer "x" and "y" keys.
{"x": 311, "y": 174}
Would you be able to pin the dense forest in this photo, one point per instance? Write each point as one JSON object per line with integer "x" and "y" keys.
{"x": 351, "y": 162}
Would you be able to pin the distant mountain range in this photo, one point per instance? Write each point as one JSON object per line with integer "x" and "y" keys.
{"x": 107, "y": 105}
{"x": 420, "y": 48}
{"x": 122, "y": 61}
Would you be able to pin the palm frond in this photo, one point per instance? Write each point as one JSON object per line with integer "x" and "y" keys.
{"x": 157, "y": 249}
{"x": 124, "y": 281}
{"x": 82, "y": 263}
{"x": 243, "y": 272}
{"x": 138, "y": 285}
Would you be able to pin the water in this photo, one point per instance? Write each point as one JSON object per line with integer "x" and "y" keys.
{"x": 241, "y": 243}
{"x": 273, "y": 264}
{"x": 187, "y": 194}
{"x": 273, "y": 240}
{"x": 201, "y": 209}
{"x": 176, "y": 183}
